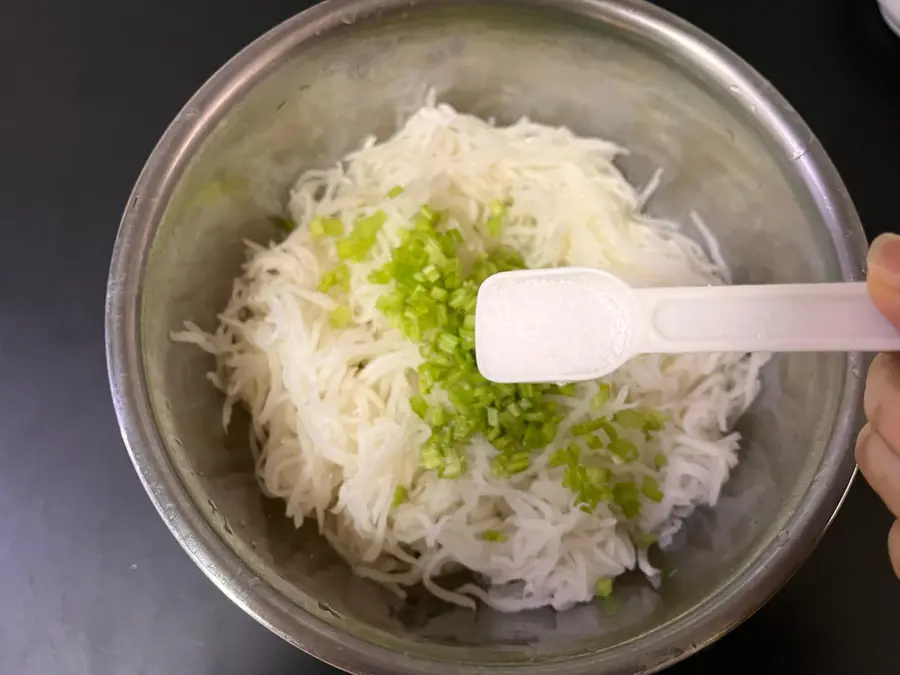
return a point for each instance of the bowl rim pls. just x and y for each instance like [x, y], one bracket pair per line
[720, 612]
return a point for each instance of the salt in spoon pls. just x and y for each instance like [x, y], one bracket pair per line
[570, 324]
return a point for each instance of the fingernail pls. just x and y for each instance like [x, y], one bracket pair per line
[885, 255]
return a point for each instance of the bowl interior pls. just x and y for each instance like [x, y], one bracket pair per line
[599, 77]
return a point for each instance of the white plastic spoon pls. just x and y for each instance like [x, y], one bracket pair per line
[575, 323]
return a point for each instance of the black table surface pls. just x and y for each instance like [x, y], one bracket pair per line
[91, 582]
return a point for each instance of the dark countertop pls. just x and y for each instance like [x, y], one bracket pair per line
[90, 580]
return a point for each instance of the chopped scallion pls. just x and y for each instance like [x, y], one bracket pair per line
[603, 588]
[493, 535]
[340, 316]
[401, 495]
[650, 489]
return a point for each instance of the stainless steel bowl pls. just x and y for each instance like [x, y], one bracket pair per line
[306, 93]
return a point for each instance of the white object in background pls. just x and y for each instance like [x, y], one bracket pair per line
[890, 9]
[576, 323]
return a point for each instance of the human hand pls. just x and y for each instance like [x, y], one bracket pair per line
[878, 445]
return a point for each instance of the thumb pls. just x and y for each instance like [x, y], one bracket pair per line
[884, 276]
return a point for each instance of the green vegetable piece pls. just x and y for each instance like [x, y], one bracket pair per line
[494, 226]
[454, 466]
[431, 456]
[357, 245]
[419, 406]
[568, 389]
[660, 461]
[340, 317]
[447, 342]
[604, 392]
[655, 420]
[395, 191]
[609, 430]
[514, 463]
[401, 496]
[493, 417]
[627, 497]
[630, 419]
[498, 469]
[598, 475]
[339, 277]
[379, 277]
[368, 226]
[493, 535]
[437, 416]
[594, 443]
[624, 450]
[588, 427]
[603, 588]
[322, 226]
[650, 488]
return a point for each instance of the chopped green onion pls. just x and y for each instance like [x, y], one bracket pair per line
[588, 427]
[604, 392]
[624, 450]
[322, 226]
[597, 475]
[436, 416]
[356, 245]
[650, 488]
[493, 535]
[339, 277]
[630, 419]
[660, 461]
[603, 588]
[454, 466]
[594, 443]
[568, 455]
[431, 457]
[655, 420]
[401, 495]
[379, 277]
[494, 226]
[627, 497]
[493, 417]
[395, 191]
[447, 342]
[340, 316]
[609, 430]
[419, 406]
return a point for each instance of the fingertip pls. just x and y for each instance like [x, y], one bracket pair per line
[883, 278]
[880, 465]
[894, 547]
[882, 395]
[861, 442]
[885, 297]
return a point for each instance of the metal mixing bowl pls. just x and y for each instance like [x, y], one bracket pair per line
[305, 94]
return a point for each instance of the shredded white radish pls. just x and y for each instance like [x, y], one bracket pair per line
[332, 424]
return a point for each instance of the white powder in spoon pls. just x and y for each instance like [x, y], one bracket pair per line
[549, 329]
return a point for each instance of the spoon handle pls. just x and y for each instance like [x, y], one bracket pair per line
[769, 318]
